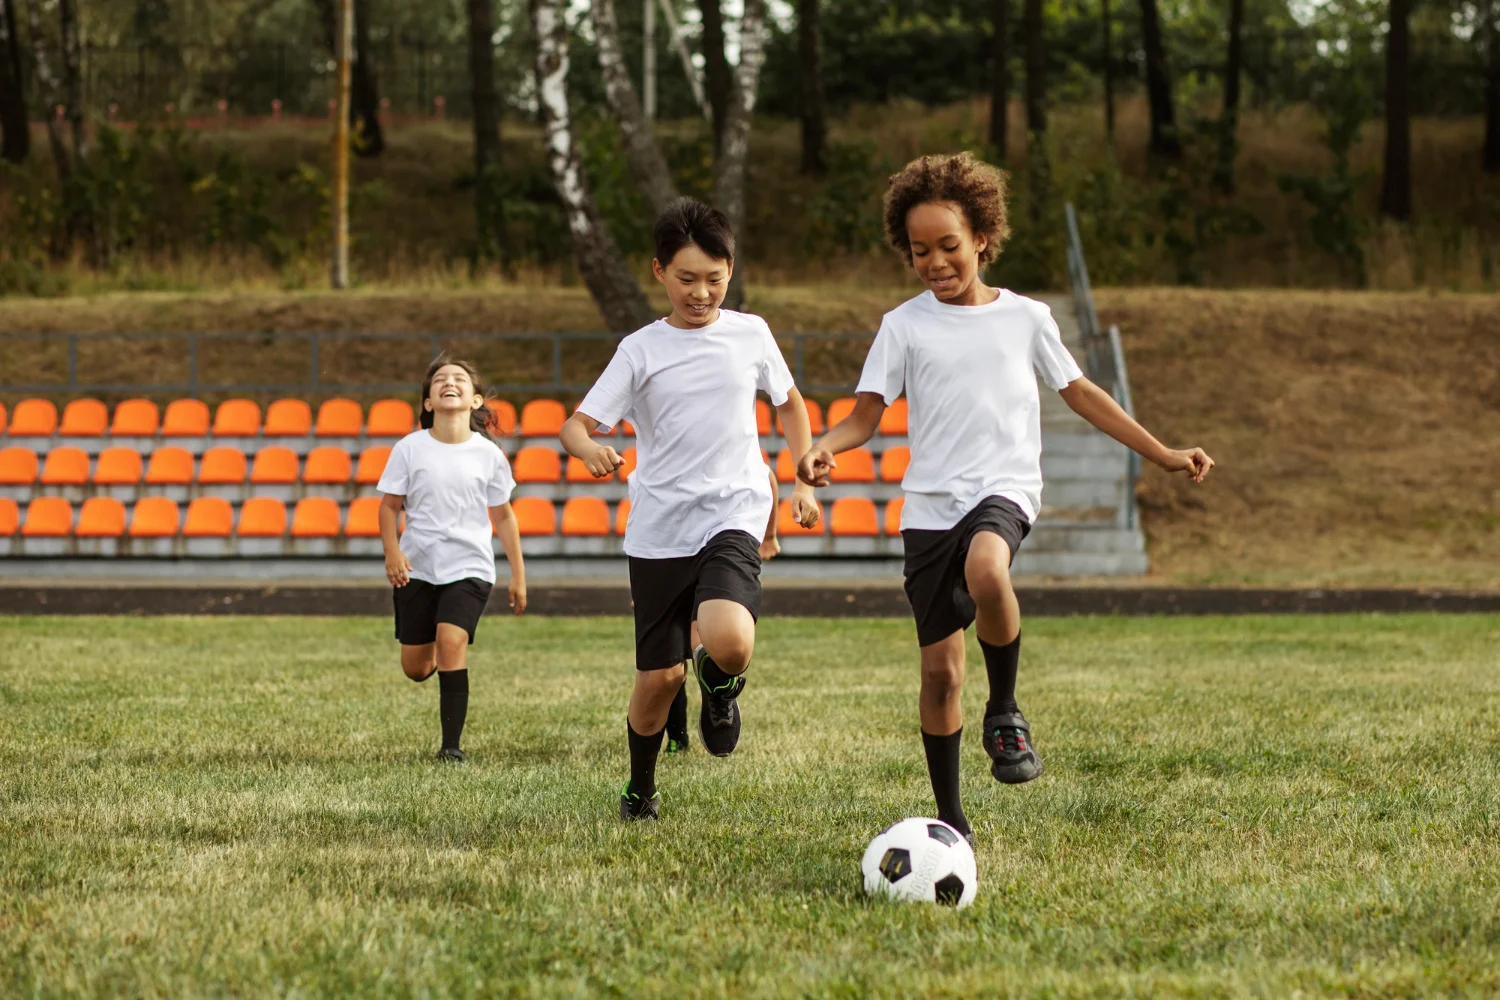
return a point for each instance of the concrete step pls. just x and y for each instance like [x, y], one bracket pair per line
[1074, 538]
[1088, 443]
[1098, 492]
[1079, 564]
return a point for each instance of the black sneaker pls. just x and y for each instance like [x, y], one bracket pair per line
[633, 807]
[719, 718]
[454, 754]
[677, 743]
[677, 727]
[1007, 739]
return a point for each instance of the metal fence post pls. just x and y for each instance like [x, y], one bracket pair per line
[557, 362]
[73, 361]
[312, 358]
[797, 359]
[437, 347]
[193, 366]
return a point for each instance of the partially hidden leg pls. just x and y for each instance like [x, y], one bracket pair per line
[645, 726]
[1007, 734]
[677, 724]
[942, 725]
[453, 687]
[727, 630]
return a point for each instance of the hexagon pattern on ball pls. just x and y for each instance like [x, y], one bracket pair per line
[921, 860]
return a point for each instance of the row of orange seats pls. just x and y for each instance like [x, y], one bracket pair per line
[321, 517]
[335, 418]
[275, 465]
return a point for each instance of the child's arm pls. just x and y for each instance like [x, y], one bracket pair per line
[577, 440]
[770, 545]
[851, 432]
[794, 422]
[397, 566]
[504, 520]
[1097, 407]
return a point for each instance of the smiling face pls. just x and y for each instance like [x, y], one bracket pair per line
[452, 389]
[945, 252]
[696, 284]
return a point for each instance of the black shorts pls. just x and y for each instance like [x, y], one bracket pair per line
[667, 593]
[935, 583]
[420, 606]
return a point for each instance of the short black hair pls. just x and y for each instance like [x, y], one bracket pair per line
[687, 221]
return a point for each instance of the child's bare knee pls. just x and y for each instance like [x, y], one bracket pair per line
[732, 651]
[988, 583]
[419, 666]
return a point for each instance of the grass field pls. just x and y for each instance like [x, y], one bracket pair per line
[1255, 807]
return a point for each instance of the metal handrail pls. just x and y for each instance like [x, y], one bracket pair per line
[1121, 393]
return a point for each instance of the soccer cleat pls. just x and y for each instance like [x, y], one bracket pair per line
[719, 717]
[454, 754]
[1007, 739]
[633, 807]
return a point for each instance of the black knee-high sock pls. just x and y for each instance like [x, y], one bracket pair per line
[643, 752]
[713, 676]
[677, 715]
[942, 768]
[1000, 663]
[453, 705]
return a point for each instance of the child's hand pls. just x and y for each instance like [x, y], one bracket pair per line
[804, 508]
[1195, 462]
[815, 467]
[397, 568]
[603, 462]
[518, 594]
[770, 548]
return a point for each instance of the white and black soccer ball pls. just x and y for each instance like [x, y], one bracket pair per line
[921, 860]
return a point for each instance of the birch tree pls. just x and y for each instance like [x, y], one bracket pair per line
[641, 149]
[51, 91]
[729, 169]
[614, 288]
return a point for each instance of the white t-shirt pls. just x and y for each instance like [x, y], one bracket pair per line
[449, 490]
[691, 396]
[975, 420]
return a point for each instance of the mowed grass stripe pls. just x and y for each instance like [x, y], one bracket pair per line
[1233, 807]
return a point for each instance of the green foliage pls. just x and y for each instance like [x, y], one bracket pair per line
[843, 214]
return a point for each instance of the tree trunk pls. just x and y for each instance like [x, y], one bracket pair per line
[715, 68]
[1229, 118]
[641, 149]
[51, 92]
[1164, 141]
[1492, 95]
[814, 131]
[999, 76]
[729, 171]
[1395, 189]
[73, 77]
[1036, 109]
[365, 109]
[482, 84]
[15, 130]
[617, 294]
[1109, 76]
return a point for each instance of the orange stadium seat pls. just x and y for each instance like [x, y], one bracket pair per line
[627, 457]
[262, 517]
[84, 418]
[339, 418]
[538, 464]
[787, 525]
[316, 517]
[585, 516]
[578, 472]
[33, 418]
[327, 465]
[18, 466]
[893, 463]
[118, 467]
[274, 466]
[222, 466]
[48, 517]
[814, 418]
[854, 516]
[101, 517]
[839, 409]
[535, 515]
[209, 517]
[786, 469]
[237, 418]
[171, 466]
[288, 418]
[10, 517]
[389, 418]
[893, 516]
[626, 428]
[155, 517]
[856, 465]
[762, 417]
[893, 420]
[371, 464]
[136, 418]
[505, 415]
[185, 418]
[542, 418]
[622, 517]
[364, 518]
[66, 466]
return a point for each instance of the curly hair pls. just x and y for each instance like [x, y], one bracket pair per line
[976, 187]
